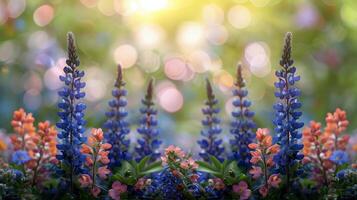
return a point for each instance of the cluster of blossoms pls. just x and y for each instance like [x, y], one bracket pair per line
[149, 144]
[211, 144]
[287, 116]
[116, 125]
[242, 126]
[96, 161]
[35, 149]
[181, 169]
[325, 150]
[262, 161]
[105, 168]
[72, 123]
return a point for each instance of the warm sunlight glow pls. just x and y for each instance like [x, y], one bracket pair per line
[151, 5]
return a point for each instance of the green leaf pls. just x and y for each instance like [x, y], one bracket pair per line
[153, 165]
[216, 163]
[205, 165]
[142, 163]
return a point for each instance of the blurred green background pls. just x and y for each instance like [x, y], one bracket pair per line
[179, 43]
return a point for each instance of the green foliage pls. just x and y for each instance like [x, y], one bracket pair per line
[228, 171]
[130, 172]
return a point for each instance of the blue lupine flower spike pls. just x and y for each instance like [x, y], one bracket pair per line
[71, 115]
[211, 144]
[287, 116]
[148, 144]
[117, 127]
[242, 125]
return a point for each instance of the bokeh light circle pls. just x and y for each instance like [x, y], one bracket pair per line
[16, 8]
[43, 15]
[106, 7]
[150, 61]
[126, 55]
[190, 35]
[213, 14]
[239, 17]
[217, 34]
[89, 3]
[149, 35]
[256, 55]
[260, 3]
[175, 68]
[170, 99]
[200, 61]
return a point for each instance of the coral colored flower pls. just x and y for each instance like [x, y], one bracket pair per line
[85, 180]
[274, 180]
[117, 189]
[218, 184]
[262, 159]
[3, 145]
[273, 149]
[140, 184]
[256, 172]
[164, 160]
[326, 149]
[242, 190]
[106, 146]
[95, 191]
[264, 191]
[175, 150]
[194, 178]
[184, 165]
[86, 149]
[96, 153]
[253, 146]
[103, 172]
[89, 161]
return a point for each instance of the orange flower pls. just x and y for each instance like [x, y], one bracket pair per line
[253, 146]
[273, 149]
[98, 134]
[261, 133]
[106, 146]
[86, 149]
[274, 180]
[3, 145]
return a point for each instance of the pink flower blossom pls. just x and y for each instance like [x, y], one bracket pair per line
[256, 172]
[218, 184]
[192, 163]
[103, 172]
[194, 178]
[264, 191]
[176, 150]
[85, 180]
[242, 190]
[117, 189]
[95, 191]
[274, 180]
[140, 184]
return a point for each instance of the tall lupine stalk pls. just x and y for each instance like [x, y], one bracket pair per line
[287, 116]
[116, 125]
[242, 124]
[211, 145]
[148, 144]
[71, 115]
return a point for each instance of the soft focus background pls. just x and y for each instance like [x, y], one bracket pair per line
[179, 43]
